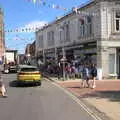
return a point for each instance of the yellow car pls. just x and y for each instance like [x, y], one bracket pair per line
[29, 74]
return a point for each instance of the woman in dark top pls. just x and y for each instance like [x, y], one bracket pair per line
[94, 74]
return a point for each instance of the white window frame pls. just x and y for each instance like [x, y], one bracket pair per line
[50, 37]
[114, 21]
[118, 21]
[85, 30]
[41, 44]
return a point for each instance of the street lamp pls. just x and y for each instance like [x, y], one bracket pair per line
[63, 52]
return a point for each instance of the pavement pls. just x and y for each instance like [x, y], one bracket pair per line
[104, 100]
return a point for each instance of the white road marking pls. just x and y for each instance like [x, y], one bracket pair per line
[85, 108]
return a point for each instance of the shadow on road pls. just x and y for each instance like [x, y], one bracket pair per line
[17, 84]
[113, 96]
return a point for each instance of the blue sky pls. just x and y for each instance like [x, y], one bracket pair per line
[27, 14]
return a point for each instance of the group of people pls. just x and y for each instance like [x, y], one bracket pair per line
[83, 71]
[75, 69]
[87, 74]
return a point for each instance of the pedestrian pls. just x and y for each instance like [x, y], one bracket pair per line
[58, 71]
[94, 75]
[80, 69]
[2, 86]
[85, 76]
[73, 71]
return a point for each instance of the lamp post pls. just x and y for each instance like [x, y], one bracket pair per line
[63, 52]
[63, 62]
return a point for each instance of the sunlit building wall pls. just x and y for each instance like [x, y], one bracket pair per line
[90, 33]
[2, 39]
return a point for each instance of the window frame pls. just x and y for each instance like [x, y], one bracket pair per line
[114, 21]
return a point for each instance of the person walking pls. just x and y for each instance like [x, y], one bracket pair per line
[94, 75]
[58, 71]
[80, 69]
[2, 86]
[85, 76]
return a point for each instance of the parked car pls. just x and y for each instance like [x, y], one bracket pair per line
[10, 68]
[28, 74]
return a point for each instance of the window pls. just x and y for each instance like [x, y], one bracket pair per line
[89, 25]
[81, 25]
[28, 69]
[50, 37]
[85, 26]
[41, 44]
[61, 36]
[117, 21]
[67, 32]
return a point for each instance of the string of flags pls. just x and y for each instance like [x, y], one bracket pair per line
[45, 3]
[22, 30]
[21, 39]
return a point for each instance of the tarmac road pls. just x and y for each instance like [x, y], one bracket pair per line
[47, 102]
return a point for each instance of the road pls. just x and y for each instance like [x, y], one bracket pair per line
[47, 102]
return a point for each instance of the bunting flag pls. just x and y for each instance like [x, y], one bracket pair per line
[34, 1]
[20, 38]
[23, 30]
[44, 3]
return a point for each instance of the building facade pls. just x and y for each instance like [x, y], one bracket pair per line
[30, 53]
[2, 39]
[90, 33]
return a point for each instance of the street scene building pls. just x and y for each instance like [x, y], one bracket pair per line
[2, 40]
[90, 33]
[30, 53]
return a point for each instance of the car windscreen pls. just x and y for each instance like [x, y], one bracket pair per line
[28, 69]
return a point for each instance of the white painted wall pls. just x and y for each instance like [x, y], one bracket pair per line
[102, 25]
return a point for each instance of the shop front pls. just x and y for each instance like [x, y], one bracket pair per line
[83, 52]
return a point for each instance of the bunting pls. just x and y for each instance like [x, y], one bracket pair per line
[45, 3]
[22, 30]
